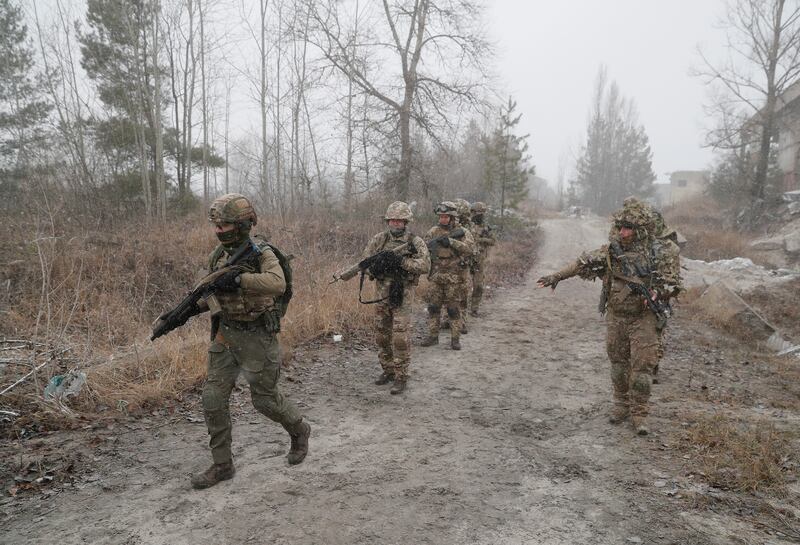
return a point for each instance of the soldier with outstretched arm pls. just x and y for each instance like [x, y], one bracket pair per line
[639, 278]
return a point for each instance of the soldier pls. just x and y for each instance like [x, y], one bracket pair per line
[396, 294]
[632, 262]
[244, 339]
[484, 239]
[448, 276]
[464, 220]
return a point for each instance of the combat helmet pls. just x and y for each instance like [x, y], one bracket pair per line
[636, 215]
[462, 206]
[233, 208]
[446, 207]
[479, 208]
[399, 210]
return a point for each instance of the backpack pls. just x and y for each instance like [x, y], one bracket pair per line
[283, 300]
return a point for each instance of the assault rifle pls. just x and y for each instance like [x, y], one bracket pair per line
[456, 234]
[369, 262]
[204, 290]
[661, 309]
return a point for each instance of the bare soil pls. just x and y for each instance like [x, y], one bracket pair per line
[505, 442]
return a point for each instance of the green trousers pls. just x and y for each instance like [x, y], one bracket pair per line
[252, 350]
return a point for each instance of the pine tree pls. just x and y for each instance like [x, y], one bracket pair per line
[506, 169]
[115, 52]
[22, 107]
[616, 160]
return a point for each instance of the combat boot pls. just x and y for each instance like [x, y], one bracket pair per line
[455, 344]
[639, 425]
[399, 386]
[430, 340]
[619, 414]
[299, 433]
[214, 474]
[385, 378]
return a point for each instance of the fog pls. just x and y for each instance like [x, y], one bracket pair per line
[548, 54]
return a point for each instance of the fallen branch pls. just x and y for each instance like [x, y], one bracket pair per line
[20, 381]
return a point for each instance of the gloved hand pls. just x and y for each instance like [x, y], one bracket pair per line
[387, 262]
[228, 281]
[445, 242]
[551, 280]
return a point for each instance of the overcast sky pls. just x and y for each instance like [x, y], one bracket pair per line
[549, 52]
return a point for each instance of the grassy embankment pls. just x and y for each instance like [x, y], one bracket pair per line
[77, 299]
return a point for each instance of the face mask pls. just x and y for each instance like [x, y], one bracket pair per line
[477, 219]
[397, 231]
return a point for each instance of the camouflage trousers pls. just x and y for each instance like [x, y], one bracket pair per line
[253, 351]
[632, 345]
[445, 291]
[393, 335]
[478, 280]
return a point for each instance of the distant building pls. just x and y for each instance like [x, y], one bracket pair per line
[787, 112]
[683, 186]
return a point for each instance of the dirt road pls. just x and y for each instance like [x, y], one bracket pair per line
[505, 442]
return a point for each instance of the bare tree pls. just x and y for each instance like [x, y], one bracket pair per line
[445, 33]
[763, 39]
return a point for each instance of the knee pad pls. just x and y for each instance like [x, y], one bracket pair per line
[434, 310]
[452, 312]
[642, 384]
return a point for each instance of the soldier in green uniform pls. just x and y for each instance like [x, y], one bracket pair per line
[244, 340]
[634, 262]
[448, 276]
[484, 239]
[396, 293]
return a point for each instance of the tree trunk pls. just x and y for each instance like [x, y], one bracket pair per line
[161, 186]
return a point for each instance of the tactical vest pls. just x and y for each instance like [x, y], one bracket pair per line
[244, 305]
[446, 260]
[390, 243]
[637, 265]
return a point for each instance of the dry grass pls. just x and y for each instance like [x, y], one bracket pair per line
[739, 455]
[97, 296]
[707, 231]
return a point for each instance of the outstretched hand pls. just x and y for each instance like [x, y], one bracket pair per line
[551, 281]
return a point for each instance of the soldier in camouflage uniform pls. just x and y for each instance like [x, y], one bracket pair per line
[448, 277]
[393, 331]
[465, 221]
[244, 340]
[668, 238]
[484, 239]
[633, 256]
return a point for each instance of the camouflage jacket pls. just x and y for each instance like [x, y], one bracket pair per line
[484, 239]
[650, 263]
[454, 260]
[259, 286]
[415, 263]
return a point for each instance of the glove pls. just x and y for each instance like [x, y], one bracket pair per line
[386, 263]
[228, 281]
[445, 242]
[412, 250]
[551, 280]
